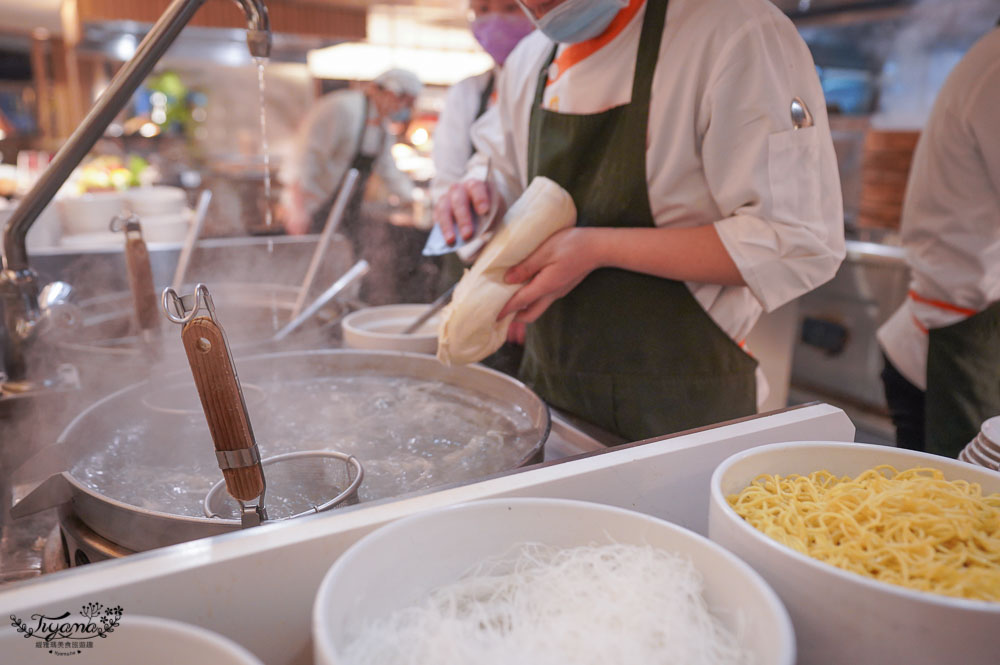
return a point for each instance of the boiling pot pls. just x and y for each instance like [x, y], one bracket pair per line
[108, 346]
[136, 475]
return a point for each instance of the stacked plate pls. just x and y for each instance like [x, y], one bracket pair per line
[984, 449]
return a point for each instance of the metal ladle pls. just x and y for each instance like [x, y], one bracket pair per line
[357, 271]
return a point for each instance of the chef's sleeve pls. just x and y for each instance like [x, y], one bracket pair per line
[495, 143]
[318, 149]
[398, 182]
[982, 122]
[777, 187]
[452, 140]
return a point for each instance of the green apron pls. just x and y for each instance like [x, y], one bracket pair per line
[963, 380]
[632, 353]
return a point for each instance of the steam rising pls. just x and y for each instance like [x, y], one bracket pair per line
[933, 37]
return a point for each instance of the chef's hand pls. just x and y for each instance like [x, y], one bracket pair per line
[454, 210]
[516, 333]
[296, 222]
[552, 271]
[292, 212]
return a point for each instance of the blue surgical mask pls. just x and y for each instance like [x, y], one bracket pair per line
[577, 20]
[401, 116]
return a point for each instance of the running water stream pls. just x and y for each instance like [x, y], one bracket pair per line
[266, 154]
[265, 149]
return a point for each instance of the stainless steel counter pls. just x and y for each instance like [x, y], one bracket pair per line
[276, 569]
[836, 354]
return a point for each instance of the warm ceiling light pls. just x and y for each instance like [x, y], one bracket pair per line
[356, 61]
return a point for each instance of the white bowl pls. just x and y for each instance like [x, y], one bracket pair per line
[380, 328]
[398, 564]
[44, 233]
[89, 213]
[102, 241]
[138, 639]
[165, 228]
[839, 616]
[158, 200]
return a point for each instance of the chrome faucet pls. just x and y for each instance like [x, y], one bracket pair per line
[18, 282]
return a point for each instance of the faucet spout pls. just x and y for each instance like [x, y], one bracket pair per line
[18, 283]
[258, 27]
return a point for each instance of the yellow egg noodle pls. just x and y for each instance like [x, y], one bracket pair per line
[911, 528]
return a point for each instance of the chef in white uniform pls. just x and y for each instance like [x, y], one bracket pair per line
[701, 201]
[942, 373]
[344, 129]
[498, 26]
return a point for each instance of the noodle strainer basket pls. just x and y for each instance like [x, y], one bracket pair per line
[307, 481]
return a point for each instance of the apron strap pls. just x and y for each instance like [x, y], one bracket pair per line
[484, 98]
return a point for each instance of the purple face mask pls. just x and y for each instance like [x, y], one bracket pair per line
[499, 33]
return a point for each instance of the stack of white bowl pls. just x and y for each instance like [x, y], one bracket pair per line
[86, 218]
[984, 449]
[163, 212]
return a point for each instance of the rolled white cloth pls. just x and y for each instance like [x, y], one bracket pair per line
[469, 330]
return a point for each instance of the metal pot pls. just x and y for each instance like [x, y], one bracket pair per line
[107, 344]
[119, 437]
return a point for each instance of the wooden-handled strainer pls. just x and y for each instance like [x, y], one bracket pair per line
[221, 398]
[307, 481]
[140, 274]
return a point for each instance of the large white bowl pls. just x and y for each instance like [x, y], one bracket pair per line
[398, 564]
[165, 228]
[138, 639]
[90, 213]
[839, 616]
[157, 200]
[381, 329]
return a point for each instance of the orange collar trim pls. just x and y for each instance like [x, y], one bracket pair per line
[576, 53]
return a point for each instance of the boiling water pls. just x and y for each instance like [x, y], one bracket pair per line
[409, 434]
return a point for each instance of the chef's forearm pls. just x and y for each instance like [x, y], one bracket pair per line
[686, 254]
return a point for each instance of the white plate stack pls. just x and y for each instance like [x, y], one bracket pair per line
[163, 212]
[984, 449]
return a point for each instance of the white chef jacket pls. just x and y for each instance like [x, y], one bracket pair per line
[951, 215]
[452, 141]
[327, 141]
[721, 147]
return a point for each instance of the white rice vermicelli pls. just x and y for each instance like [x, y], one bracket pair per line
[606, 604]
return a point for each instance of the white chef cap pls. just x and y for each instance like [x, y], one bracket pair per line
[399, 82]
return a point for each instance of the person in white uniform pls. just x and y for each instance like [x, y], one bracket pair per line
[498, 26]
[942, 346]
[347, 128]
[702, 200]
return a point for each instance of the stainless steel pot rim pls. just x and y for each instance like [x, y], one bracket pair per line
[350, 490]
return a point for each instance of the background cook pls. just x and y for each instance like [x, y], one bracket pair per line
[345, 129]
[498, 26]
[942, 346]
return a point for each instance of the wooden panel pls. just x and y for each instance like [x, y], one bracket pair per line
[301, 18]
[884, 171]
